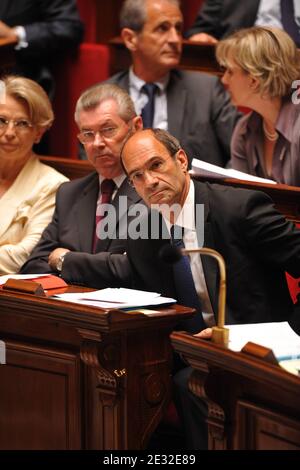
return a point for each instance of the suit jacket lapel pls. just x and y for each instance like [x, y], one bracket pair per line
[177, 95]
[86, 213]
[210, 266]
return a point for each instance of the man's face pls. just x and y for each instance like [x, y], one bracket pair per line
[110, 133]
[158, 177]
[159, 44]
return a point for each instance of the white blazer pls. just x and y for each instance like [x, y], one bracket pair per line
[25, 210]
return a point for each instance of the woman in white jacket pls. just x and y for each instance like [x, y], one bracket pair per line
[27, 187]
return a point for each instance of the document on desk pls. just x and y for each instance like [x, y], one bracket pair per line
[202, 168]
[119, 298]
[278, 336]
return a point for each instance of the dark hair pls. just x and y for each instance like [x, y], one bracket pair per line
[164, 137]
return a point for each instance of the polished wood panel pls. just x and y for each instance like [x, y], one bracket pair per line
[68, 166]
[81, 377]
[251, 404]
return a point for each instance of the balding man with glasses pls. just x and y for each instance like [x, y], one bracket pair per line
[80, 237]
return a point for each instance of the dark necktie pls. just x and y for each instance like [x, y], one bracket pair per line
[148, 110]
[288, 20]
[106, 190]
[184, 284]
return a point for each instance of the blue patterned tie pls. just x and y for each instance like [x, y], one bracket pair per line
[288, 20]
[148, 110]
[184, 284]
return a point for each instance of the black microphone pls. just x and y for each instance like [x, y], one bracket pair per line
[170, 254]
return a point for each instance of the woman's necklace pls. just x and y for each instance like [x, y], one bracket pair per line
[272, 136]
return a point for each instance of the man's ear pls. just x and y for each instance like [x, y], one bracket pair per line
[138, 123]
[182, 160]
[130, 38]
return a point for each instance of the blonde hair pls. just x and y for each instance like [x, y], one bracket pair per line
[96, 94]
[266, 53]
[33, 96]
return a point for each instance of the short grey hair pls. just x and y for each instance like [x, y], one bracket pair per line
[134, 14]
[96, 94]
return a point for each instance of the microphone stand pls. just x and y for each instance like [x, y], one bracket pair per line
[220, 334]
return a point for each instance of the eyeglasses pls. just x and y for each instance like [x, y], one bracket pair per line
[20, 125]
[154, 167]
[88, 137]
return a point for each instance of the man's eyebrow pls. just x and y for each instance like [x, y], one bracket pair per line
[99, 126]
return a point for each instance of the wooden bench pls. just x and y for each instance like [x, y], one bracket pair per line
[68, 166]
[286, 198]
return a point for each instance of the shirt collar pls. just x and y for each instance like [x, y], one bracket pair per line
[285, 120]
[137, 83]
[118, 180]
[186, 217]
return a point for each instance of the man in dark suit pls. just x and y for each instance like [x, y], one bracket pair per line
[219, 18]
[193, 106]
[257, 243]
[69, 245]
[44, 29]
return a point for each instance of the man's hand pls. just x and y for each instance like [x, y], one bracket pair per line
[203, 38]
[204, 334]
[7, 32]
[54, 256]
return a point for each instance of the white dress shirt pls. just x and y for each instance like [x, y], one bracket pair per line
[140, 99]
[269, 13]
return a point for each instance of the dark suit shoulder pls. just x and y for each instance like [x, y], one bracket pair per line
[226, 200]
[193, 78]
[120, 78]
[78, 185]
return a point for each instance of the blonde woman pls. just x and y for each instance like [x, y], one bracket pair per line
[27, 187]
[261, 65]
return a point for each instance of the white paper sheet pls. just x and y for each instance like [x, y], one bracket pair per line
[278, 336]
[117, 298]
[199, 167]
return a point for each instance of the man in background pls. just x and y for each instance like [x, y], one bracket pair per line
[193, 106]
[71, 245]
[219, 18]
[45, 30]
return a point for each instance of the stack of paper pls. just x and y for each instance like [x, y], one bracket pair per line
[119, 298]
[279, 337]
